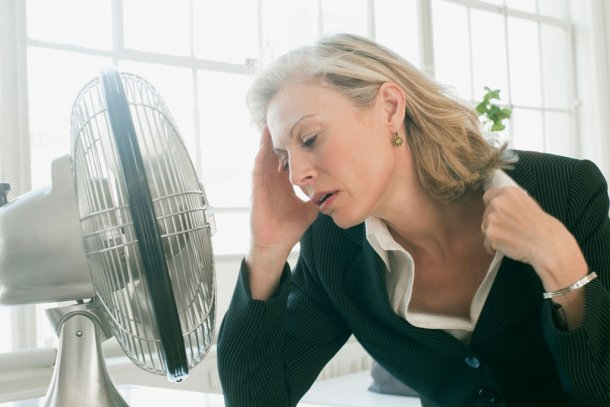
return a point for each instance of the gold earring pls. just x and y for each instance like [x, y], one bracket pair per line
[396, 140]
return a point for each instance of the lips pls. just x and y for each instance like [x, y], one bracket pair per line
[324, 199]
[321, 197]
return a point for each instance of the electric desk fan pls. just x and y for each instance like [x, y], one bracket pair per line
[125, 230]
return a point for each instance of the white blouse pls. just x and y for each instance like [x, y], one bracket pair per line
[401, 273]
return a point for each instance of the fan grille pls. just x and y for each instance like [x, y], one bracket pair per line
[111, 243]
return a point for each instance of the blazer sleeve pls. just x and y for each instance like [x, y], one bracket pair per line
[270, 352]
[582, 356]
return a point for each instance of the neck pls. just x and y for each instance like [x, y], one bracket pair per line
[436, 228]
[421, 223]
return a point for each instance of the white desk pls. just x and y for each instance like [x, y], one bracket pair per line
[351, 391]
[140, 396]
[343, 391]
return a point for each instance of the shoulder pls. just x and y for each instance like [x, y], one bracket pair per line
[542, 165]
[546, 165]
[557, 182]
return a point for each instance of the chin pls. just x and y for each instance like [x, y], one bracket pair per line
[345, 222]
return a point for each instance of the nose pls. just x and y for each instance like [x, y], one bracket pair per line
[302, 172]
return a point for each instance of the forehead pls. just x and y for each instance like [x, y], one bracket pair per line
[298, 102]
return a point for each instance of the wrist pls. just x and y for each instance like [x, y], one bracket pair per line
[267, 257]
[562, 277]
[562, 267]
[568, 310]
[264, 271]
[567, 290]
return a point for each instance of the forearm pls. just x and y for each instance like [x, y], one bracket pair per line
[581, 355]
[559, 269]
[264, 271]
[569, 310]
[250, 344]
[269, 352]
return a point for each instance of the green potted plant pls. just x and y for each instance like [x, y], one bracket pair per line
[492, 115]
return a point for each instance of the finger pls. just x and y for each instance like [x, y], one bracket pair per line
[266, 144]
[487, 218]
[495, 203]
[265, 136]
[488, 199]
[266, 158]
[483, 224]
[491, 194]
[489, 247]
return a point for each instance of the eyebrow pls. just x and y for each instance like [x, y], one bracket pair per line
[290, 132]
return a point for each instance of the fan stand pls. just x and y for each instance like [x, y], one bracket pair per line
[80, 377]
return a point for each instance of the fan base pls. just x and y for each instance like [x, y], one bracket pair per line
[80, 377]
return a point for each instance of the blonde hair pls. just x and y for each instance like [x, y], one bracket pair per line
[451, 157]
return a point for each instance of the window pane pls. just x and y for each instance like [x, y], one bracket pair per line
[232, 233]
[558, 133]
[527, 129]
[5, 321]
[287, 25]
[488, 53]
[75, 22]
[45, 335]
[451, 50]
[524, 62]
[344, 16]
[556, 67]
[228, 141]
[523, 5]
[175, 85]
[226, 30]
[397, 27]
[157, 26]
[553, 8]
[54, 80]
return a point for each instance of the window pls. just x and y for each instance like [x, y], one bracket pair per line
[200, 55]
[522, 49]
[5, 340]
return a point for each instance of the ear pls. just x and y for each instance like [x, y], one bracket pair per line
[392, 101]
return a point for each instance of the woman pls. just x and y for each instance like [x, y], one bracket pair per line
[467, 272]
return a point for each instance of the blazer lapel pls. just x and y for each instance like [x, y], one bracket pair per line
[365, 285]
[516, 287]
[515, 291]
[364, 281]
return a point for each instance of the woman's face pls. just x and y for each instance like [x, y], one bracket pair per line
[339, 155]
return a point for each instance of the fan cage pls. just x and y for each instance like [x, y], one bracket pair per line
[181, 211]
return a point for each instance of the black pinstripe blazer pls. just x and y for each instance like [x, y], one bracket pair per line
[270, 352]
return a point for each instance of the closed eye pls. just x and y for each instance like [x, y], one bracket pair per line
[308, 142]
